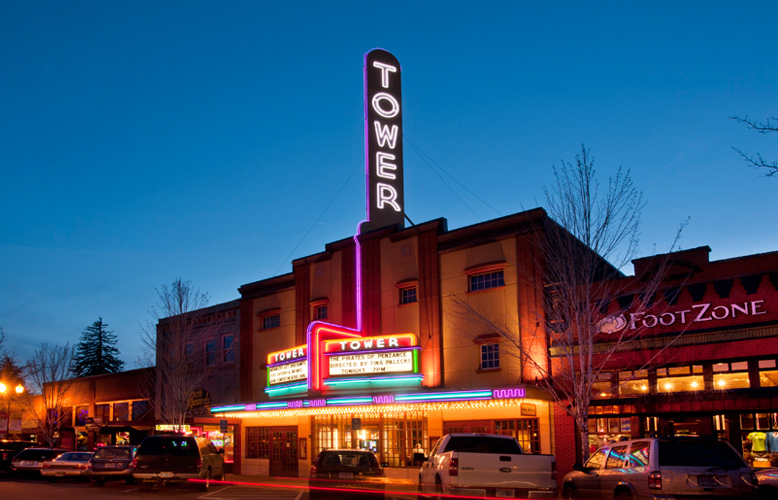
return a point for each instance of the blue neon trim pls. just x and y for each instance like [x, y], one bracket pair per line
[394, 378]
[444, 396]
[350, 401]
[289, 387]
[220, 409]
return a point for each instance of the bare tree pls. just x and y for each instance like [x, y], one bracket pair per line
[767, 127]
[48, 373]
[588, 236]
[175, 341]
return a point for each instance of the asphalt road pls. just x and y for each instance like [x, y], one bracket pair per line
[27, 489]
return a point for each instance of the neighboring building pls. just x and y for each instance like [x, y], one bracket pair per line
[707, 360]
[198, 359]
[114, 408]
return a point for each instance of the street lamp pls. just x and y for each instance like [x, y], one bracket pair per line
[3, 389]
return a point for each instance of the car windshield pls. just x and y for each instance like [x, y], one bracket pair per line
[109, 453]
[699, 453]
[174, 446]
[338, 460]
[483, 444]
[37, 455]
[74, 457]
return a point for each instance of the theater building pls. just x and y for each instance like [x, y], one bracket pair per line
[371, 344]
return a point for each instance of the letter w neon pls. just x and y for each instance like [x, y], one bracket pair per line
[384, 134]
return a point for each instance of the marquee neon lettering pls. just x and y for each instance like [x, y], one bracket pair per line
[383, 166]
[385, 134]
[385, 70]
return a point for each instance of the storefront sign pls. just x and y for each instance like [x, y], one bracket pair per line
[371, 343]
[301, 351]
[704, 315]
[371, 363]
[383, 139]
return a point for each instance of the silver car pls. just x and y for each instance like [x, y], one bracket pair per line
[663, 468]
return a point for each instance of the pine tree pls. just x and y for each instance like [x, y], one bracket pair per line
[96, 353]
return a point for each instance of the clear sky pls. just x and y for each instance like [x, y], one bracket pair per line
[217, 141]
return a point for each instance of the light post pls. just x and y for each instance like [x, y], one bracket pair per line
[3, 389]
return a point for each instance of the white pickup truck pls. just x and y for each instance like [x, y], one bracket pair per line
[486, 465]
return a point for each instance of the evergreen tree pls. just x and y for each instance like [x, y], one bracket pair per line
[96, 353]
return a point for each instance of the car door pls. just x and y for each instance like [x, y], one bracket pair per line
[427, 471]
[587, 482]
[613, 472]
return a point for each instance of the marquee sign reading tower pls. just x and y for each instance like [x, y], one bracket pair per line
[383, 140]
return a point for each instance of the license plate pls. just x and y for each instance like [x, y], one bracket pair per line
[112, 466]
[165, 474]
[28, 463]
[345, 475]
[505, 493]
[707, 481]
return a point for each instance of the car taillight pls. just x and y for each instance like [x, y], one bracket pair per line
[46, 465]
[134, 463]
[82, 466]
[453, 467]
[655, 480]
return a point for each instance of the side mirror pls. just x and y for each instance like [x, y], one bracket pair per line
[579, 467]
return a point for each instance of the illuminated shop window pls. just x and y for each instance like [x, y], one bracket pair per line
[633, 383]
[602, 387]
[408, 295]
[273, 321]
[211, 351]
[731, 375]
[490, 356]
[525, 430]
[768, 374]
[680, 379]
[487, 280]
[228, 350]
[82, 412]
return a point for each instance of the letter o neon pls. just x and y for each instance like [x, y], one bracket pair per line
[381, 96]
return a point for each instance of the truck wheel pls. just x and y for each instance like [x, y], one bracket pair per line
[438, 489]
[624, 495]
[568, 492]
[203, 486]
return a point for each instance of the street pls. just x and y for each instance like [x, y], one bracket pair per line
[27, 489]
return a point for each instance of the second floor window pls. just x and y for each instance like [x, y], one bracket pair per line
[490, 356]
[211, 348]
[486, 280]
[228, 352]
[320, 312]
[273, 321]
[408, 295]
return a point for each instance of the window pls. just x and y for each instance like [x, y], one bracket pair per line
[602, 387]
[82, 412]
[680, 379]
[408, 295]
[102, 413]
[211, 347]
[228, 352]
[596, 460]
[320, 312]
[768, 375]
[273, 321]
[731, 375]
[616, 457]
[525, 430]
[487, 280]
[121, 412]
[257, 442]
[490, 356]
[140, 410]
[638, 455]
[633, 383]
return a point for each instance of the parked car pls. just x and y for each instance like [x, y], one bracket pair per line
[486, 465]
[30, 461]
[8, 450]
[768, 483]
[166, 458]
[666, 468]
[334, 472]
[111, 462]
[72, 464]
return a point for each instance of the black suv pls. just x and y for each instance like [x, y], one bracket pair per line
[8, 450]
[166, 458]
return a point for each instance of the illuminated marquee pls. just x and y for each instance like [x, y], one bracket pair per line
[372, 363]
[289, 365]
[383, 140]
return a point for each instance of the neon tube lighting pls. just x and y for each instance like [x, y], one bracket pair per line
[395, 378]
[443, 396]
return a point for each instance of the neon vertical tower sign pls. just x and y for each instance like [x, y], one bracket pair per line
[383, 140]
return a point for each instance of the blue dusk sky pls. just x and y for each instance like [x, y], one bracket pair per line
[217, 141]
